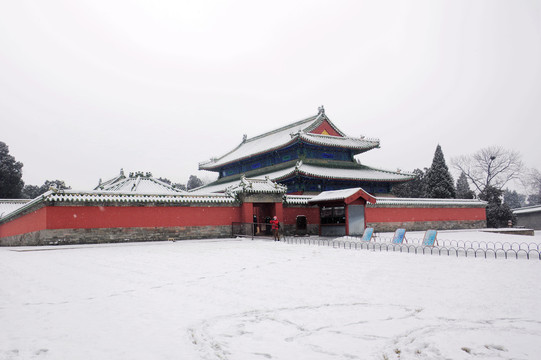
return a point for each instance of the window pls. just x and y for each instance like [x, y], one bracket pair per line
[333, 215]
[327, 156]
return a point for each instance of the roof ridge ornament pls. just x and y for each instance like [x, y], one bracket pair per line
[244, 138]
[244, 182]
[269, 181]
[296, 134]
[321, 110]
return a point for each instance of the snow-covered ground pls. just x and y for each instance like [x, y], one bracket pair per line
[257, 299]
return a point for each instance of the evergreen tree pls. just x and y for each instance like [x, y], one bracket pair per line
[439, 182]
[173, 185]
[534, 199]
[33, 191]
[513, 199]
[411, 189]
[194, 182]
[179, 186]
[463, 188]
[11, 173]
[165, 180]
[57, 184]
[498, 214]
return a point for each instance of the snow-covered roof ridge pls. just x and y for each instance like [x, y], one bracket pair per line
[101, 196]
[312, 119]
[345, 141]
[428, 201]
[26, 205]
[364, 173]
[117, 178]
[527, 209]
[137, 182]
[346, 195]
[398, 171]
[334, 194]
[126, 196]
[321, 117]
[256, 185]
[297, 199]
[9, 205]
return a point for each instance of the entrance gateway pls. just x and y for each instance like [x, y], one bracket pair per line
[342, 211]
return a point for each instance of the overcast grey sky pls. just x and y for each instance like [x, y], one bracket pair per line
[88, 87]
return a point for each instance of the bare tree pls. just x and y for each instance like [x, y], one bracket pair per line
[533, 186]
[492, 166]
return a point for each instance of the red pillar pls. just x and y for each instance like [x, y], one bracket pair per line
[279, 211]
[247, 213]
[347, 219]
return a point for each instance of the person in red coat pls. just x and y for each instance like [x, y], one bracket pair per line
[275, 227]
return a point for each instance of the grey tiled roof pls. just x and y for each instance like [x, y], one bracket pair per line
[257, 186]
[287, 135]
[138, 182]
[9, 205]
[364, 173]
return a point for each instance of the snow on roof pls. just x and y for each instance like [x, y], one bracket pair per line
[385, 201]
[361, 174]
[287, 135]
[334, 195]
[100, 196]
[527, 209]
[298, 199]
[257, 186]
[138, 182]
[365, 173]
[114, 196]
[214, 188]
[346, 142]
[9, 205]
[25, 204]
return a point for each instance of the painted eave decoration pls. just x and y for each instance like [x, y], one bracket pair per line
[356, 174]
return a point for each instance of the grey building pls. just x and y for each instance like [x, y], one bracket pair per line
[529, 217]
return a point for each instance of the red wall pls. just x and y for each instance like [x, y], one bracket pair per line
[375, 215]
[88, 217]
[290, 215]
[34, 221]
